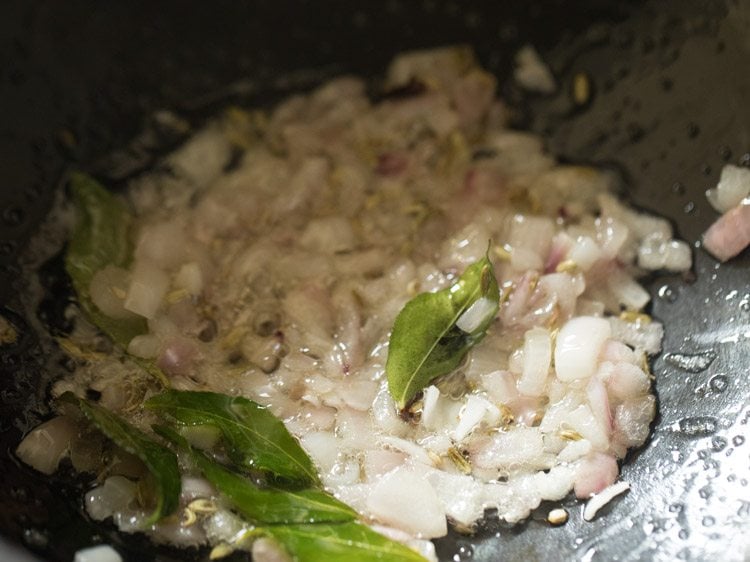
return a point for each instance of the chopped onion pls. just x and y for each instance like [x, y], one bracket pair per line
[145, 346]
[575, 450]
[590, 426]
[99, 553]
[268, 550]
[329, 235]
[430, 397]
[733, 187]
[657, 253]
[628, 292]
[578, 346]
[645, 336]
[585, 252]
[730, 234]
[603, 498]
[461, 494]
[471, 415]
[162, 243]
[408, 447]
[190, 278]
[147, 288]
[626, 380]
[500, 385]
[520, 446]
[406, 500]
[381, 461]
[531, 72]
[46, 445]
[596, 472]
[203, 157]
[632, 419]
[323, 447]
[224, 526]
[537, 354]
[115, 495]
[476, 315]
[108, 289]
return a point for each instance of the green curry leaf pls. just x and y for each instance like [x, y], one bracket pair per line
[339, 543]
[160, 461]
[101, 237]
[255, 439]
[426, 342]
[265, 505]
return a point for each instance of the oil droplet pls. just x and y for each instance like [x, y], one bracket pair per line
[691, 362]
[683, 534]
[667, 293]
[738, 440]
[676, 508]
[678, 188]
[581, 89]
[35, 538]
[708, 521]
[719, 383]
[718, 443]
[465, 552]
[698, 426]
[13, 216]
[19, 493]
[705, 492]
[634, 132]
[689, 208]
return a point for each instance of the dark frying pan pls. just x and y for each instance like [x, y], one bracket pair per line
[78, 79]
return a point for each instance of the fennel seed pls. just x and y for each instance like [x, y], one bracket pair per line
[459, 460]
[570, 435]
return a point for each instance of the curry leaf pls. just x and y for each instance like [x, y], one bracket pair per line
[160, 461]
[339, 543]
[255, 439]
[426, 341]
[265, 505]
[101, 237]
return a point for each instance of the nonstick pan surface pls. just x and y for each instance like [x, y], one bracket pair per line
[671, 87]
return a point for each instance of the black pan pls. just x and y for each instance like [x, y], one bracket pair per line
[671, 88]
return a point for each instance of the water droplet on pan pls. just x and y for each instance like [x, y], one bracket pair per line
[718, 443]
[13, 216]
[35, 538]
[719, 383]
[667, 293]
[698, 426]
[691, 362]
[465, 552]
